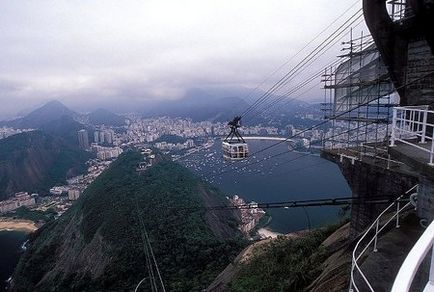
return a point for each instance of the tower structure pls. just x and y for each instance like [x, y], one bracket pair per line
[83, 139]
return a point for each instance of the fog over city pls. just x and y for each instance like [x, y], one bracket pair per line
[120, 54]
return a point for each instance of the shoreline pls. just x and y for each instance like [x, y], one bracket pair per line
[266, 232]
[7, 224]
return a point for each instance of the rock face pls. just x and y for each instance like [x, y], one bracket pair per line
[97, 244]
[35, 161]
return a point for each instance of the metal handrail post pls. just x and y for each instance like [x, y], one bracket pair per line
[374, 240]
[392, 139]
[376, 236]
[432, 151]
[352, 275]
[431, 270]
[397, 215]
[425, 120]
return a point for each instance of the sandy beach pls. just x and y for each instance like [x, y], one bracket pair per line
[267, 233]
[17, 224]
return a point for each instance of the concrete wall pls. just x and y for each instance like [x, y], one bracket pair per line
[420, 62]
[367, 182]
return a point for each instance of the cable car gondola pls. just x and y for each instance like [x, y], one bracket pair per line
[234, 146]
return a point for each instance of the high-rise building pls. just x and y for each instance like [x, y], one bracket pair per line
[108, 137]
[73, 194]
[101, 137]
[83, 139]
[290, 130]
[96, 137]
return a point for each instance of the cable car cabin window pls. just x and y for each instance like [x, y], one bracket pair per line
[234, 146]
[235, 151]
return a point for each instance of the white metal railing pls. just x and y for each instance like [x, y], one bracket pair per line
[397, 209]
[375, 153]
[411, 122]
[408, 270]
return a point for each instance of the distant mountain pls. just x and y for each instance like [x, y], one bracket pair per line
[223, 104]
[49, 112]
[105, 117]
[35, 161]
[199, 105]
[98, 244]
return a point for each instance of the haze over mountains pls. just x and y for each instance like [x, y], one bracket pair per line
[55, 110]
[202, 103]
[49, 112]
[199, 106]
[104, 117]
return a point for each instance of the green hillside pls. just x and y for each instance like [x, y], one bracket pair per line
[284, 264]
[97, 244]
[35, 161]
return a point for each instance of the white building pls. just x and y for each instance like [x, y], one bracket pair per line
[73, 194]
[19, 200]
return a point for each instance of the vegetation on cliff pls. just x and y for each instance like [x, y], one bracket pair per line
[97, 246]
[35, 161]
[33, 215]
[283, 264]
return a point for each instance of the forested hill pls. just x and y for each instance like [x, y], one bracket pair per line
[35, 161]
[97, 245]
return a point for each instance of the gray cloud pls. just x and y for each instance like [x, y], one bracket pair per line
[106, 52]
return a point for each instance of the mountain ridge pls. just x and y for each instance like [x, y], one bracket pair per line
[198, 108]
[49, 112]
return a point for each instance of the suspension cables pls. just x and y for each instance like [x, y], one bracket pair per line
[302, 64]
[273, 103]
[298, 203]
[318, 125]
[151, 262]
[301, 50]
[343, 113]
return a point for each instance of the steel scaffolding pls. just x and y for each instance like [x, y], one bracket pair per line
[358, 96]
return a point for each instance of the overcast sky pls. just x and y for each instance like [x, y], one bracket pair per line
[96, 52]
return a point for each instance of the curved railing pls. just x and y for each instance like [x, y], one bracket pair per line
[414, 122]
[376, 226]
[408, 270]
